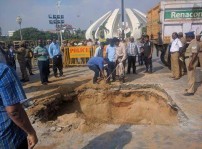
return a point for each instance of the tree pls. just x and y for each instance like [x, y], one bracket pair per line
[32, 34]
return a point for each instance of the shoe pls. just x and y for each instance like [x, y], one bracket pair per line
[188, 94]
[31, 74]
[49, 82]
[45, 83]
[176, 78]
[134, 72]
[150, 72]
[23, 80]
[146, 71]
[113, 80]
[56, 76]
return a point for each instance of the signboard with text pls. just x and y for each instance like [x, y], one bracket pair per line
[178, 14]
[79, 52]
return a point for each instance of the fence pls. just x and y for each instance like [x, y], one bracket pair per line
[77, 55]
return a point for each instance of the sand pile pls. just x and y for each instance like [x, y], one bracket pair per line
[126, 107]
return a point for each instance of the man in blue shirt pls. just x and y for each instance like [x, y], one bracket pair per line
[111, 55]
[96, 64]
[55, 54]
[16, 131]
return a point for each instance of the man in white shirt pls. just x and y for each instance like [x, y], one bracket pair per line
[99, 50]
[132, 52]
[174, 50]
[121, 56]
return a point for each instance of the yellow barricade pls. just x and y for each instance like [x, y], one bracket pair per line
[77, 55]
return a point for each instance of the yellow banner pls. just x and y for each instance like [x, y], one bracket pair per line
[79, 52]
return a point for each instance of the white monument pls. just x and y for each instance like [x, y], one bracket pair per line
[109, 25]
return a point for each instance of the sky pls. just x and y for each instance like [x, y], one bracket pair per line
[78, 13]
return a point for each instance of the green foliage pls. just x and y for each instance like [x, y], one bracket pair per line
[32, 34]
[35, 34]
[128, 34]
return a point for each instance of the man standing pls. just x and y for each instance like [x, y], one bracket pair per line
[147, 51]
[121, 56]
[174, 50]
[198, 38]
[111, 56]
[55, 54]
[11, 57]
[96, 64]
[99, 50]
[21, 60]
[42, 56]
[132, 52]
[182, 51]
[191, 62]
[28, 58]
[16, 131]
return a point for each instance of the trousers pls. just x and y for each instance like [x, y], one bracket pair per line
[131, 62]
[43, 70]
[57, 64]
[111, 70]
[96, 70]
[191, 76]
[200, 58]
[148, 63]
[29, 64]
[23, 70]
[175, 66]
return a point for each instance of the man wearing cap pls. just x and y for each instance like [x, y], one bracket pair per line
[21, 52]
[191, 62]
[198, 38]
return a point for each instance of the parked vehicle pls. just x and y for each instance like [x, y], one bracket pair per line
[172, 16]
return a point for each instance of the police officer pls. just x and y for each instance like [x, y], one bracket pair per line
[191, 62]
[28, 58]
[21, 60]
[198, 38]
[183, 69]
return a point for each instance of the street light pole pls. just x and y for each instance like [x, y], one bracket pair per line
[123, 23]
[58, 7]
[19, 21]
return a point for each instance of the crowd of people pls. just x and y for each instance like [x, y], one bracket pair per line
[118, 53]
[185, 55]
[43, 53]
[112, 55]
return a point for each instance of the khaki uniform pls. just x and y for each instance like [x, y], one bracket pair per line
[182, 62]
[28, 58]
[21, 52]
[192, 48]
[200, 53]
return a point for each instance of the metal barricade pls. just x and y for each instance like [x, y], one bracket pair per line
[78, 61]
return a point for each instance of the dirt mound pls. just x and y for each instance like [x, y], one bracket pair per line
[126, 107]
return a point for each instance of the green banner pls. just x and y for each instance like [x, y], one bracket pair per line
[183, 14]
